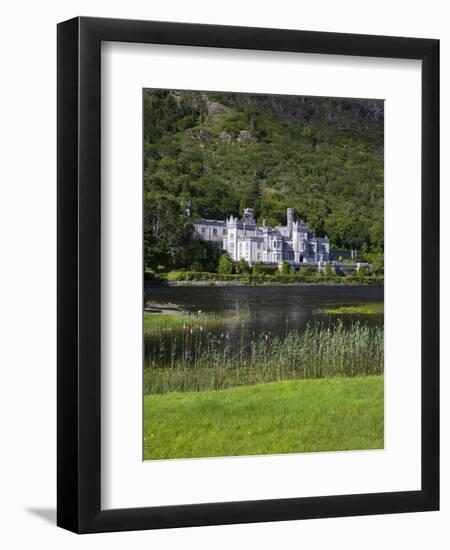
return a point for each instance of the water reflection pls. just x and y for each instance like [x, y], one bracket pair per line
[251, 310]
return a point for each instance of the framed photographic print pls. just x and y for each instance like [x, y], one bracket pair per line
[248, 236]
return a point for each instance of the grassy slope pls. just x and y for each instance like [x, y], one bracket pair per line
[272, 418]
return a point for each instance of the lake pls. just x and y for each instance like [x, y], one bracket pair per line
[270, 309]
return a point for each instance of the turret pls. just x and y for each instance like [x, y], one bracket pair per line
[290, 217]
[248, 216]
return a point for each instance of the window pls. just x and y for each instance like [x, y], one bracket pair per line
[214, 231]
[203, 230]
[224, 232]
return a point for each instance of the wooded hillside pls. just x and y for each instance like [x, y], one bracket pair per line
[226, 151]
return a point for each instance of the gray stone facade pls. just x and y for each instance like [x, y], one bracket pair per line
[242, 238]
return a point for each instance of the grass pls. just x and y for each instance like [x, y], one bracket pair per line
[367, 309]
[197, 360]
[281, 417]
[157, 322]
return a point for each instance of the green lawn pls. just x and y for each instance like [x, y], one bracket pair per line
[279, 417]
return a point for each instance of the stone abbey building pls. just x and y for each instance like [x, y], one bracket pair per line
[242, 238]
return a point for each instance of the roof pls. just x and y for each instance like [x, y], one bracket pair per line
[203, 221]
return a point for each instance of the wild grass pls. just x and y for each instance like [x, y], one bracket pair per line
[156, 323]
[196, 360]
[373, 308]
[331, 414]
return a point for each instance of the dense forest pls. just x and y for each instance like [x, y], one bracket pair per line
[222, 152]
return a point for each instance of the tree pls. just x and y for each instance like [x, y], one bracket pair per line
[377, 265]
[284, 268]
[166, 232]
[202, 255]
[363, 250]
[196, 266]
[328, 271]
[225, 266]
[243, 266]
[361, 271]
[257, 269]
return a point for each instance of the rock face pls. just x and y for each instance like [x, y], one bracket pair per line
[201, 135]
[225, 136]
[244, 136]
[204, 135]
[351, 113]
[216, 108]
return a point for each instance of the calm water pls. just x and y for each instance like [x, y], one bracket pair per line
[266, 309]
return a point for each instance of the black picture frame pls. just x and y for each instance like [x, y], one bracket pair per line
[79, 281]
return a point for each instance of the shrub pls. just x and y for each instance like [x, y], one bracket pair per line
[257, 269]
[284, 268]
[377, 265]
[242, 266]
[175, 275]
[361, 272]
[308, 269]
[225, 266]
[196, 266]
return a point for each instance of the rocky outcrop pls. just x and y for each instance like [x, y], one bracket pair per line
[244, 136]
[216, 108]
[225, 136]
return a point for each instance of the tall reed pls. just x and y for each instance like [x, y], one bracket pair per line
[200, 360]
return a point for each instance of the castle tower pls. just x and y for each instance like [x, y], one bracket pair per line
[248, 216]
[290, 217]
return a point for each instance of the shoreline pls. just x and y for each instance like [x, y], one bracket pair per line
[165, 309]
[210, 283]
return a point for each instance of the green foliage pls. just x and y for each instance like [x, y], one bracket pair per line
[308, 270]
[376, 263]
[242, 267]
[299, 277]
[361, 272]
[168, 239]
[324, 157]
[175, 275]
[284, 268]
[225, 266]
[328, 271]
[257, 269]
